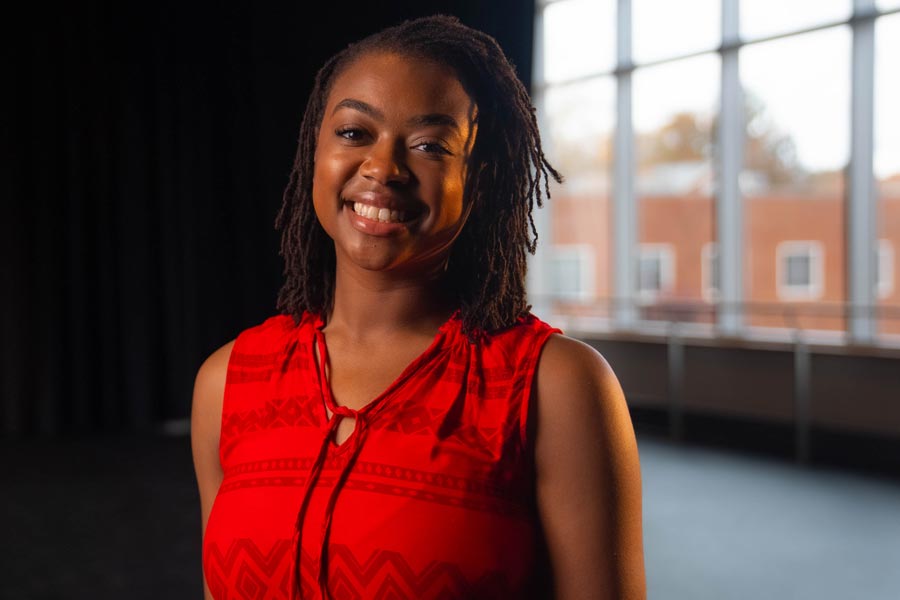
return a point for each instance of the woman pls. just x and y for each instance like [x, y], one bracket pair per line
[405, 427]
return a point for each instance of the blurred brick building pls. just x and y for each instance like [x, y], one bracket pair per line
[794, 250]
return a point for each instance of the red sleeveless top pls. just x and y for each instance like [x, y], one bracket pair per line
[431, 496]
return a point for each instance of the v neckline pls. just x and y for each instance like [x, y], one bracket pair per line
[320, 357]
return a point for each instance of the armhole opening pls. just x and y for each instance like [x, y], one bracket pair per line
[225, 394]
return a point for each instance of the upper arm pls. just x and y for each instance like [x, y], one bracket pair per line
[588, 475]
[206, 419]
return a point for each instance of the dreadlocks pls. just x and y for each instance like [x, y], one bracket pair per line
[505, 173]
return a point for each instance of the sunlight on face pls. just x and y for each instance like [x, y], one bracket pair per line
[390, 165]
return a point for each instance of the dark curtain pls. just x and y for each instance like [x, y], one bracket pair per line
[145, 150]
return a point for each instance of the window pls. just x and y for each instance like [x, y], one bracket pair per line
[725, 127]
[673, 179]
[798, 270]
[653, 21]
[798, 168]
[884, 269]
[573, 272]
[761, 18]
[656, 271]
[579, 38]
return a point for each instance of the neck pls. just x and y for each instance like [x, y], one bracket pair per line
[374, 304]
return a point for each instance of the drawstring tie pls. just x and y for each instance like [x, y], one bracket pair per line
[356, 439]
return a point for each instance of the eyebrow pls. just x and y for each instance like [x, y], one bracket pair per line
[429, 120]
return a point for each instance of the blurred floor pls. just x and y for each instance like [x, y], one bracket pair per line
[119, 518]
[722, 526]
[99, 519]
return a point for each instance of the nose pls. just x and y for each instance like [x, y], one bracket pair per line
[385, 163]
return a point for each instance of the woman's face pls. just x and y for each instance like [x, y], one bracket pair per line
[390, 163]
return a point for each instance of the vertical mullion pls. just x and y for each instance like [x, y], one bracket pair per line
[624, 203]
[729, 159]
[539, 268]
[860, 203]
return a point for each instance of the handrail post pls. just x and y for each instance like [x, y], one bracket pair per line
[801, 398]
[675, 349]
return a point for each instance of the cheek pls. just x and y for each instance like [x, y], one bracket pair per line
[326, 191]
[329, 173]
[454, 188]
[454, 195]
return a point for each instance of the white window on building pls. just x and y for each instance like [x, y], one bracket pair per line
[709, 271]
[656, 270]
[799, 270]
[573, 271]
[884, 269]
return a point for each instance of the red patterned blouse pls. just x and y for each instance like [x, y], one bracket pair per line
[431, 496]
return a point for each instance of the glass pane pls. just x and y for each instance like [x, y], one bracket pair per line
[674, 111]
[798, 270]
[887, 170]
[649, 274]
[579, 38]
[578, 124]
[655, 38]
[797, 107]
[761, 18]
[888, 4]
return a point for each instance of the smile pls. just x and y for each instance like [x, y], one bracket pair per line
[382, 215]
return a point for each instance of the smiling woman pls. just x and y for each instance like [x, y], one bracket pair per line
[406, 427]
[395, 138]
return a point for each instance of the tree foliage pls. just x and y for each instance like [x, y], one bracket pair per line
[769, 152]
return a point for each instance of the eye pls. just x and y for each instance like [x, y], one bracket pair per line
[353, 134]
[433, 148]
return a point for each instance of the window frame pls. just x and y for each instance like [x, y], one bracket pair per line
[665, 254]
[800, 293]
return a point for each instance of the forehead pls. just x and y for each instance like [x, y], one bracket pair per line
[401, 86]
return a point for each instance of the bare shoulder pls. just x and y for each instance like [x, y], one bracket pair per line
[206, 411]
[572, 375]
[580, 404]
[587, 475]
[211, 376]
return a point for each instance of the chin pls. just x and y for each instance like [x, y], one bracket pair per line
[373, 264]
[364, 257]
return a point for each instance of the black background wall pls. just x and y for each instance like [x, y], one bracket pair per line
[145, 150]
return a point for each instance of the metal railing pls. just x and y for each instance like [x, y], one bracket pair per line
[672, 319]
[791, 316]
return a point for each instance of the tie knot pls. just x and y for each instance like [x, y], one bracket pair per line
[343, 411]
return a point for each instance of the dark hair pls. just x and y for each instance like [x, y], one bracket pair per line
[505, 173]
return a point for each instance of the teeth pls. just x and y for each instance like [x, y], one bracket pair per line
[383, 215]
